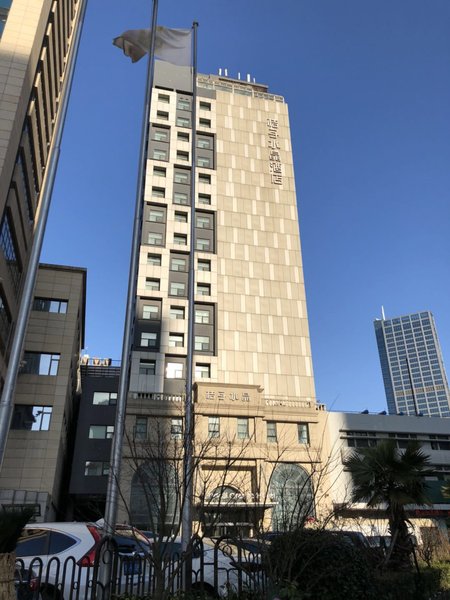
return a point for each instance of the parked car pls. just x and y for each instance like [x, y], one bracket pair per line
[63, 556]
[69, 550]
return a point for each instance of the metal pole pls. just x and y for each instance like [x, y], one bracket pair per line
[7, 400]
[112, 493]
[186, 519]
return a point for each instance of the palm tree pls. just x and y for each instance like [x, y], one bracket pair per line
[384, 475]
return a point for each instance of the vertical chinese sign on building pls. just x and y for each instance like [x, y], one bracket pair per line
[273, 144]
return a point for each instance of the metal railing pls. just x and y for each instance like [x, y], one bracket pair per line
[218, 567]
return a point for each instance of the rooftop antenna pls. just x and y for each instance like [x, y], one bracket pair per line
[220, 71]
[254, 79]
[249, 78]
[382, 314]
[226, 72]
[239, 75]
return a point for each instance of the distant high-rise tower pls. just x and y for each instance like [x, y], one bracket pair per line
[412, 366]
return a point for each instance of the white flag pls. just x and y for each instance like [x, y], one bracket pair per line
[171, 45]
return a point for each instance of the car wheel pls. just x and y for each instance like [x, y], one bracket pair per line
[204, 590]
[48, 592]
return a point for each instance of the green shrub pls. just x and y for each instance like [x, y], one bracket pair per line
[322, 565]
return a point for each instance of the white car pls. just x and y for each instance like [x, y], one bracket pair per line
[63, 555]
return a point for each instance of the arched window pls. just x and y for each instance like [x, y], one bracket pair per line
[155, 497]
[290, 488]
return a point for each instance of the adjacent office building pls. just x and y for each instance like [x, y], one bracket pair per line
[36, 466]
[252, 361]
[412, 365]
[35, 43]
[36, 39]
[94, 432]
[349, 432]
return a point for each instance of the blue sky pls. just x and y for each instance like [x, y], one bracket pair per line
[368, 88]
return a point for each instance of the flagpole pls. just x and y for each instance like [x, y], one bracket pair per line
[7, 399]
[112, 494]
[186, 519]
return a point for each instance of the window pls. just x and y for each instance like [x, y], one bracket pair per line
[183, 104]
[174, 370]
[164, 98]
[147, 367]
[177, 289]
[176, 428]
[205, 105]
[303, 433]
[156, 215]
[154, 259]
[50, 305]
[183, 122]
[204, 178]
[155, 239]
[178, 264]
[176, 340]
[207, 124]
[203, 289]
[180, 239]
[181, 155]
[176, 312]
[8, 245]
[201, 316]
[31, 417]
[180, 198]
[94, 468]
[204, 161]
[149, 340]
[140, 428]
[204, 142]
[242, 428]
[159, 171]
[159, 154]
[104, 398]
[5, 319]
[271, 431]
[181, 217]
[150, 312]
[213, 427]
[182, 136]
[152, 284]
[181, 176]
[163, 115]
[201, 343]
[39, 363]
[204, 199]
[203, 221]
[202, 371]
[203, 265]
[161, 135]
[203, 244]
[101, 432]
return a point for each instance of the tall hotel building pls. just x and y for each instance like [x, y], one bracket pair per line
[252, 361]
[413, 369]
[36, 39]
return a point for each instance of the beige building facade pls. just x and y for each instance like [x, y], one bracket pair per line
[35, 43]
[256, 415]
[36, 465]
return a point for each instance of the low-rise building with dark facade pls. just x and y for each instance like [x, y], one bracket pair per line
[95, 429]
